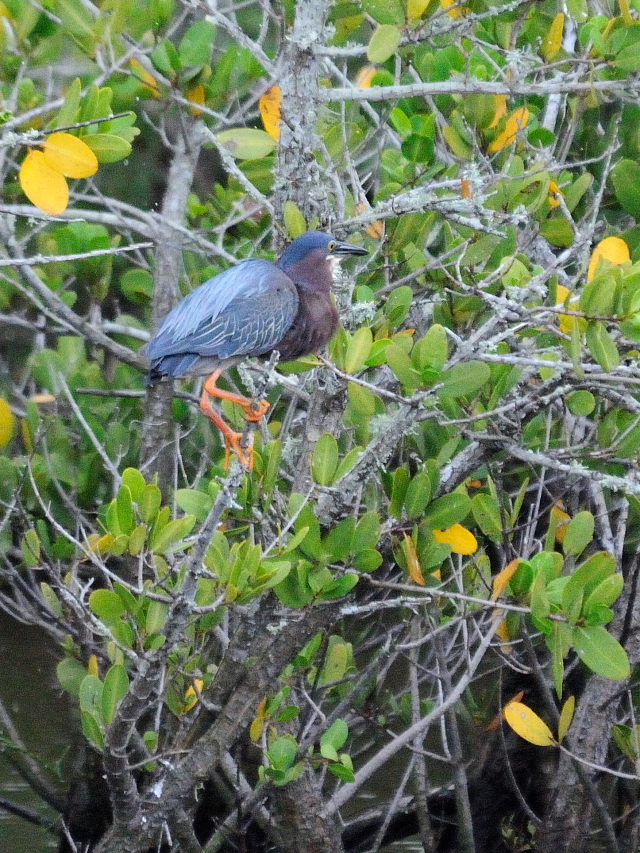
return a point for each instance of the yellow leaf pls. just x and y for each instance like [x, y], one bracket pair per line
[553, 42]
[43, 186]
[528, 724]
[499, 717]
[462, 541]
[503, 634]
[565, 321]
[625, 11]
[270, 108]
[365, 76]
[516, 121]
[6, 423]
[566, 716]
[196, 96]
[70, 156]
[502, 579]
[554, 190]
[612, 249]
[501, 108]
[558, 520]
[453, 13]
[257, 726]
[192, 694]
[413, 563]
[415, 9]
[92, 665]
[26, 435]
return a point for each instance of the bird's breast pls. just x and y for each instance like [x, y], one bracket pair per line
[315, 324]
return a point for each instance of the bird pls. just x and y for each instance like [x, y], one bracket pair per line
[252, 309]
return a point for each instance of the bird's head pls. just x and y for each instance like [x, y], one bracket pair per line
[310, 260]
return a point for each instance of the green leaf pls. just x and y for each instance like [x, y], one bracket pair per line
[108, 147]
[418, 495]
[601, 652]
[463, 380]
[197, 43]
[71, 674]
[558, 232]
[106, 604]
[282, 752]
[68, 113]
[626, 182]
[132, 478]
[367, 560]
[486, 514]
[194, 502]
[447, 511]
[30, 548]
[385, 11]
[605, 593]
[385, 41]
[334, 739]
[601, 345]
[90, 693]
[126, 515]
[358, 350]
[246, 143]
[579, 533]
[157, 613]
[580, 403]
[294, 220]
[324, 460]
[432, 350]
[367, 532]
[402, 366]
[76, 18]
[116, 684]
[171, 534]
[92, 729]
[559, 642]
[149, 503]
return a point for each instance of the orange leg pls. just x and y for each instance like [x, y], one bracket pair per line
[232, 438]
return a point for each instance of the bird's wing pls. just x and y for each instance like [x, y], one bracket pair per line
[244, 311]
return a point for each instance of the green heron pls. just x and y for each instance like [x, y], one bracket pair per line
[251, 309]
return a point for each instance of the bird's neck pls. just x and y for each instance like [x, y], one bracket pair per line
[310, 276]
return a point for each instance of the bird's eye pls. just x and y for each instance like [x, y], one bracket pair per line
[331, 246]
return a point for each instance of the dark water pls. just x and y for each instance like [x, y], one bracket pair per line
[34, 700]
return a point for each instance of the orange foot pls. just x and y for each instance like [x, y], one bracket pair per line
[232, 439]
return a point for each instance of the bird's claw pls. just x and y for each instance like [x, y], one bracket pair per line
[233, 442]
[257, 411]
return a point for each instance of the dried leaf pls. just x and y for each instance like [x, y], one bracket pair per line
[413, 563]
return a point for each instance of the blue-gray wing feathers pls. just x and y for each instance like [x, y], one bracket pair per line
[244, 311]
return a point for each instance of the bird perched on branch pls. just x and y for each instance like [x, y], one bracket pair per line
[252, 309]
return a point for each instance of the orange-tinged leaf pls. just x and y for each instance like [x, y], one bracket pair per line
[413, 563]
[612, 249]
[528, 724]
[197, 96]
[192, 694]
[502, 579]
[462, 541]
[499, 717]
[43, 186]
[365, 76]
[92, 666]
[147, 79]
[566, 717]
[501, 108]
[465, 187]
[7, 421]
[70, 156]
[376, 229]
[270, 108]
[559, 519]
[516, 121]
[42, 399]
[553, 42]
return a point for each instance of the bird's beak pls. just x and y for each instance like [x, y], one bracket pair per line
[340, 249]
